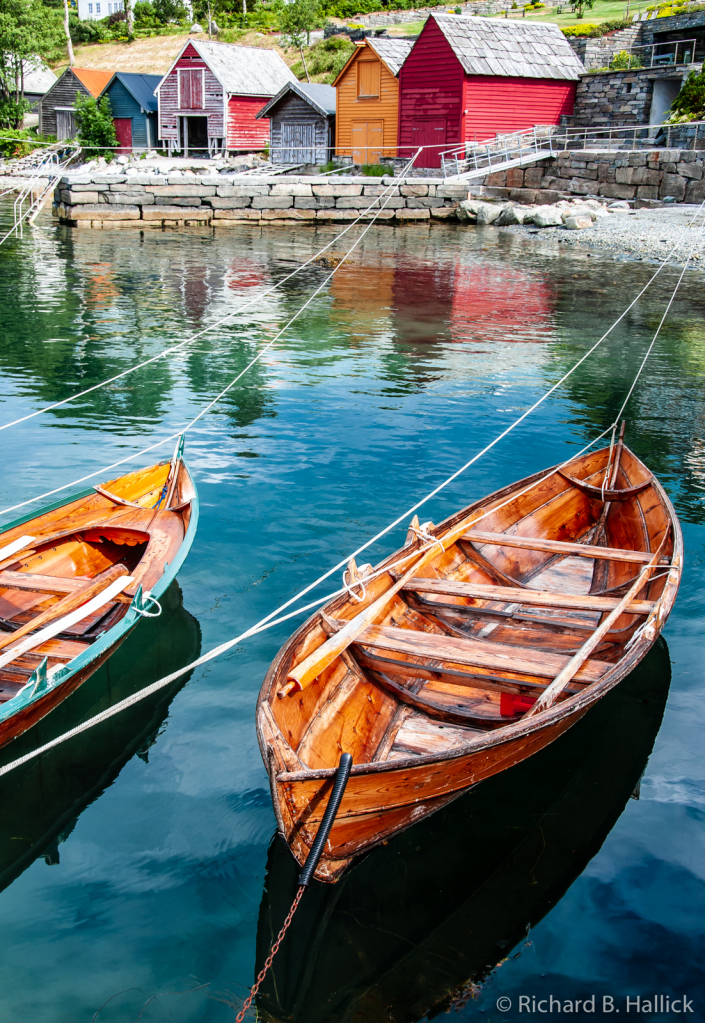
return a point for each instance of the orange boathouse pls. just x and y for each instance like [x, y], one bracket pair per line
[367, 100]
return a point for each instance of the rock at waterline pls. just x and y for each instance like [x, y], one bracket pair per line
[547, 216]
[577, 223]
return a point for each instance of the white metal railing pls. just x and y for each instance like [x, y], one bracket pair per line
[496, 154]
[668, 55]
[42, 182]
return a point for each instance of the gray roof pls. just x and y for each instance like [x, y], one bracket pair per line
[320, 97]
[392, 51]
[244, 70]
[38, 78]
[498, 46]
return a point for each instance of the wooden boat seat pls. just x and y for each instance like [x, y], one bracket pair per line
[39, 583]
[583, 550]
[596, 493]
[516, 595]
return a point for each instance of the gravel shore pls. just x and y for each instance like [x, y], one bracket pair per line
[636, 234]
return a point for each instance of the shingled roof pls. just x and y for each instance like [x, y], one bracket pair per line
[244, 70]
[392, 51]
[320, 97]
[498, 46]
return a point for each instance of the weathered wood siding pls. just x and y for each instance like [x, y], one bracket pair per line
[351, 108]
[494, 104]
[124, 104]
[63, 94]
[289, 116]
[169, 99]
[245, 132]
[430, 97]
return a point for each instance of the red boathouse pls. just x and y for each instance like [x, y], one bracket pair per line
[210, 96]
[469, 79]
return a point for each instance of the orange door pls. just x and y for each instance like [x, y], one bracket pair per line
[367, 139]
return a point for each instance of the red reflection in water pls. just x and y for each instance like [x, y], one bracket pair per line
[245, 273]
[498, 302]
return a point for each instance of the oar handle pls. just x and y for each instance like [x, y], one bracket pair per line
[341, 780]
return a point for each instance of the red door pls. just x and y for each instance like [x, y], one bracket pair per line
[429, 132]
[123, 130]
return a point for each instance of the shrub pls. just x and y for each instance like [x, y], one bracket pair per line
[623, 60]
[10, 147]
[689, 104]
[376, 170]
[595, 31]
[96, 131]
[325, 59]
[87, 31]
[12, 112]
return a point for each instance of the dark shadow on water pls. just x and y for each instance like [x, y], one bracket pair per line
[412, 927]
[42, 799]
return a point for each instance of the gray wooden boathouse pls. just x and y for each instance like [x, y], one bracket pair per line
[302, 123]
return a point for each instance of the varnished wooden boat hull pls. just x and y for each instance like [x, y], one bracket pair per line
[347, 708]
[70, 540]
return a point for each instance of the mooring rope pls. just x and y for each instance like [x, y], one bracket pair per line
[271, 620]
[218, 323]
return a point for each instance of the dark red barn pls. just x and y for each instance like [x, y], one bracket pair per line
[211, 94]
[468, 79]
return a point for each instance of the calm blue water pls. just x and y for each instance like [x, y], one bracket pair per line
[133, 861]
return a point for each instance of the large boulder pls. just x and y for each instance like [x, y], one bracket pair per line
[547, 216]
[467, 211]
[488, 212]
[577, 223]
[514, 215]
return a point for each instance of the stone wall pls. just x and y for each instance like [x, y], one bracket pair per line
[655, 174]
[596, 53]
[142, 200]
[620, 98]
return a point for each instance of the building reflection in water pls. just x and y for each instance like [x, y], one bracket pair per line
[417, 926]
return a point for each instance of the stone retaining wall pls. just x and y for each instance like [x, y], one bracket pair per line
[654, 174]
[142, 200]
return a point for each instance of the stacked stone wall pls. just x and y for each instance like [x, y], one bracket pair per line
[653, 175]
[596, 53]
[153, 200]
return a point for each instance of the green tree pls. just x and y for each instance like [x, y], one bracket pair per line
[96, 131]
[28, 29]
[298, 19]
[581, 5]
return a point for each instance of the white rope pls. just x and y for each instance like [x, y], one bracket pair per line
[267, 623]
[213, 326]
[209, 406]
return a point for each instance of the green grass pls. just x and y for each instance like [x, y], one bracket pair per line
[604, 10]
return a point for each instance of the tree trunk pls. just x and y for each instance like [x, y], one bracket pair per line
[69, 44]
[130, 15]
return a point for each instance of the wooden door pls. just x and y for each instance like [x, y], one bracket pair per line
[196, 136]
[367, 141]
[65, 124]
[431, 133]
[298, 143]
[123, 130]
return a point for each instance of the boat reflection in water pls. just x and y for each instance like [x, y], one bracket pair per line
[410, 928]
[42, 799]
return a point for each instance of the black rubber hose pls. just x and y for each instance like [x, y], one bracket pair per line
[341, 780]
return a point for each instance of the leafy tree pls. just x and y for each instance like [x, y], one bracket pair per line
[96, 131]
[581, 5]
[27, 30]
[168, 11]
[298, 19]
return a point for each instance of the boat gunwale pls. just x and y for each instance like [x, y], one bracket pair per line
[575, 705]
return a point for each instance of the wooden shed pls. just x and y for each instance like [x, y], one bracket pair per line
[210, 97]
[468, 79]
[302, 123]
[57, 107]
[134, 107]
[367, 100]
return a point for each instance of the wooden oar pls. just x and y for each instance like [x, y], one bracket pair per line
[107, 594]
[549, 696]
[66, 604]
[314, 664]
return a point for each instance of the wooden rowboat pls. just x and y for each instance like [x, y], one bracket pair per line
[76, 578]
[471, 648]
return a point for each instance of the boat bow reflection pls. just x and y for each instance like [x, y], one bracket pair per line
[42, 799]
[415, 925]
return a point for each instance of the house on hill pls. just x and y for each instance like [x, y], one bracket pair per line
[302, 123]
[134, 107]
[210, 97]
[57, 107]
[367, 104]
[469, 79]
